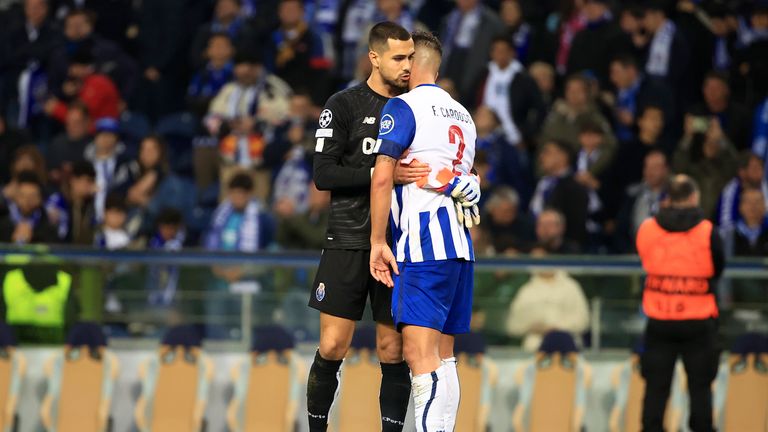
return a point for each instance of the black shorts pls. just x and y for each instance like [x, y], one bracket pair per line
[344, 282]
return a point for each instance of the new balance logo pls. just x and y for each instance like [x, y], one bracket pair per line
[369, 120]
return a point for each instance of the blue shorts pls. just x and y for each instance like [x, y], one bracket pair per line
[434, 294]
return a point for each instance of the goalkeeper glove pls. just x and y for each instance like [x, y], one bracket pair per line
[464, 189]
[468, 216]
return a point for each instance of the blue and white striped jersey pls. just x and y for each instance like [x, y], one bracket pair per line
[436, 130]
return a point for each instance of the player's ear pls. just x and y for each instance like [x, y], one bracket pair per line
[373, 56]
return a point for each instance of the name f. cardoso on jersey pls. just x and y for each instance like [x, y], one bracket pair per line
[440, 132]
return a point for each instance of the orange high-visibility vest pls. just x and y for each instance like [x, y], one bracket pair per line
[679, 267]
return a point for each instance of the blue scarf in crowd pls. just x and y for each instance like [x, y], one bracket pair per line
[248, 233]
[163, 280]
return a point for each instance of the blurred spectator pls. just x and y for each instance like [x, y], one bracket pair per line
[749, 175]
[10, 140]
[213, 75]
[69, 146]
[749, 235]
[113, 17]
[667, 52]
[550, 300]
[760, 134]
[592, 163]
[94, 90]
[306, 230]
[550, 235]
[544, 75]
[559, 190]
[106, 56]
[642, 200]
[511, 228]
[634, 92]
[25, 48]
[169, 236]
[291, 195]
[723, 46]
[466, 34]
[26, 158]
[511, 93]
[26, 220]
[295, 52]
[148, 173]
[239, 222]
[694, 26]
[706, 154]
[227, 21]
[752, 61]
[113, 234]
[106, 153]
[508, 164]
[532, 43]
[600, 41]
[568, 21]
[74, 207]
[734, 118]
[562, 123]
[162, 46]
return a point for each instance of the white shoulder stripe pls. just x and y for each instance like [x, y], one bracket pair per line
[319, 145]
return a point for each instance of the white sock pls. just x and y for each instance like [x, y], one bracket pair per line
[429, 399]
[454, 392]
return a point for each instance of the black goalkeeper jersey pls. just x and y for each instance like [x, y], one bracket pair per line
[345, 139]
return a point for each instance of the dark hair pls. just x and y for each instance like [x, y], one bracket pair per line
[31, 151]
[89, 15]
[503, 39]
[29, 177]
[662, 6]
[241, 181]
[169, 216]
[83, 168]
[589, 126]
[427, 40]
[248, 56]
[650, 107]
[115, 201]
[78, 105]
[382, 32]
[681, 187]
[162, 164]
[562, 146]
[220, 35]
[626, 60]
[81, 56]
[745, 157]
[720, 76]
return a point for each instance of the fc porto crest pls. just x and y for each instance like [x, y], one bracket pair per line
[320, 292]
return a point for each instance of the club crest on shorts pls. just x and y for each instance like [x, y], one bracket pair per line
[320, 292]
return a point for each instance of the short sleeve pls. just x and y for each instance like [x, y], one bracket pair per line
[397, 128]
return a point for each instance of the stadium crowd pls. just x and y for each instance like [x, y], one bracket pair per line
[181, 123]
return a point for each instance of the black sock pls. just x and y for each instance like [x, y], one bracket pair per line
[321, 389]
[394, 395]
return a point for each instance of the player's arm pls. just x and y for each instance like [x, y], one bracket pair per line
[331, 138]
[396, 132]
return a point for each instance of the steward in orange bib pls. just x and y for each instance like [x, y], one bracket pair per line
[682, 255]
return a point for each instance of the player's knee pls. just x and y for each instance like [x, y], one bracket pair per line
[416, 353]
[333, 347]
[389, 348]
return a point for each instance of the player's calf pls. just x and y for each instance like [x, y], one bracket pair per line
[395, 391]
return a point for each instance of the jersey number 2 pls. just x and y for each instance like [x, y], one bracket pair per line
[456, 136]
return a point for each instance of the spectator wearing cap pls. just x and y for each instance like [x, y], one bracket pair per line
[83, 83]
[734, 118]
[749, 175]
[532, 43]
[294, 52]
[558, 189]
[213, 75]
[26, 221]
[634, 92]
[578, 106]
[111, 165]
[69, 146]
[594, 47]
[641, 200]
[107, 56]
[706, 154]
[511, 93]
[466, 34]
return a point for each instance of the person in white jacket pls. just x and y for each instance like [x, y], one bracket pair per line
[550, 300]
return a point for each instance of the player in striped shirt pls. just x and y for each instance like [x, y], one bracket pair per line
[433, 257]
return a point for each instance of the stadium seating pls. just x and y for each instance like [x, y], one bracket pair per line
[553, 387]
[272, 365]
[477, 379]
[13, 366]
[358, 399]
[175, 384]
[81, 380]
[628, 389]
[741, 396]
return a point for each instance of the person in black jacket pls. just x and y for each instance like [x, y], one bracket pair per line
[594, 47]
[558, 189]
[735, 118]
[507, 88]
[25, 220]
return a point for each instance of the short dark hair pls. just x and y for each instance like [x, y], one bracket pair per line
[83, 168]
[590, 126]
[503, 39]
[89, 15]
[78, 105]
[82, 56]
[747, 156]
[626, 60]
[115, 201]
[681, 188]
[427, 40]
[241, 181]
[382, 32]
[29, 177]
[720, 76]
[248, 56]
[562, 146]
[169, 216]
